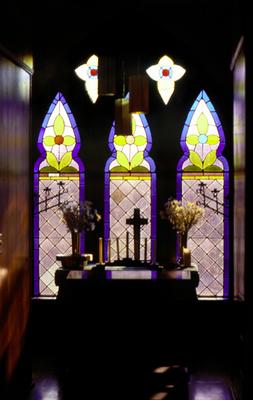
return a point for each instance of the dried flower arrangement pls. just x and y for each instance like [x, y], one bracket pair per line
[182, 217]
[80, 217]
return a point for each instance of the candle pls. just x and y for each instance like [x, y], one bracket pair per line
[109, 250]
[145, 249]
[100, 250]
[117, 244]
[89, 257]
[127, 245]
[186, 257]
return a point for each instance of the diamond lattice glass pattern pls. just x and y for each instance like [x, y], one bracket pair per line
[206, 238]
[126, 195]
[53, 235]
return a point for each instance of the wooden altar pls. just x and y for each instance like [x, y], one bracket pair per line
[123, 321]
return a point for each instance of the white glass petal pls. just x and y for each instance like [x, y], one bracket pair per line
[165, 61]
[178, 72]
[132, 151]
[93, 61]
[153, 72]
[82, 72]
[91, 86]
[165, 88]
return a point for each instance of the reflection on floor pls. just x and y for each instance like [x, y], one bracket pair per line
[54, 382]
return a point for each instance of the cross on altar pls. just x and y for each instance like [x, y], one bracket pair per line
[137, 221]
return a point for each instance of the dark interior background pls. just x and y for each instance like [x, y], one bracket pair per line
[199, 35]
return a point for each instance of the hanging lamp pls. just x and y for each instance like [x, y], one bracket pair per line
[106, 76]
[123, 119]
[138, 94]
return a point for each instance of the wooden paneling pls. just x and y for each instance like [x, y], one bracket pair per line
[15, 88]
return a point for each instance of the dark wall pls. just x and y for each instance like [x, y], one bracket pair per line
[207, 67]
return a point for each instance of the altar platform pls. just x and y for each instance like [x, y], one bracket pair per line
[173, 283]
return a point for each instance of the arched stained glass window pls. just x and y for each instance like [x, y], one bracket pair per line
[202, 176]
[58, 178]
[130, 183]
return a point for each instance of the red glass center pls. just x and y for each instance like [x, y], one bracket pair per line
[58, 139]
[166, 72]
[93, 72]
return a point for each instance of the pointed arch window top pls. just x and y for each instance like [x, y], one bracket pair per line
[203, 138]
[59, 138]
[130, 151]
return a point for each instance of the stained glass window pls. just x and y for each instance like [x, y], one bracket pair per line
[89, 73]
[166, 73]
[202, 176]
[58, 178]
[130, 183]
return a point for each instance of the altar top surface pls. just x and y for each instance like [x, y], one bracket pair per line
[120, 272]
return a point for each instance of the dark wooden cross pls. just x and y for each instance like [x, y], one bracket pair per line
[137, 222]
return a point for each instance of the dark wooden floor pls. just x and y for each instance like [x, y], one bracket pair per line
[205, 383]
[190, 358]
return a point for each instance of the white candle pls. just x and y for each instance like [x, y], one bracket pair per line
[100, 250]
[186, 257]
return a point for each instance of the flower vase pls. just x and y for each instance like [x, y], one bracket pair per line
[75, 237]
[182, 244]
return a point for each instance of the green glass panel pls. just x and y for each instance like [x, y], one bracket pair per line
[48, 169]
[66, 160]
[140, 169]
[140, 140]
[48, 141]
[69, 169]
[119, 169]
[52, 160]
[136, 160]
[202, 123]
[69, 140]
[213, 139]
[209, 159]
[213, 168]
[195, 159]
[59, 125]
[192, 139]
[192, 168]
[120, 140]
[122, 159]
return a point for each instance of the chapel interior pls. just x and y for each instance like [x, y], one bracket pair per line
[138, 338]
